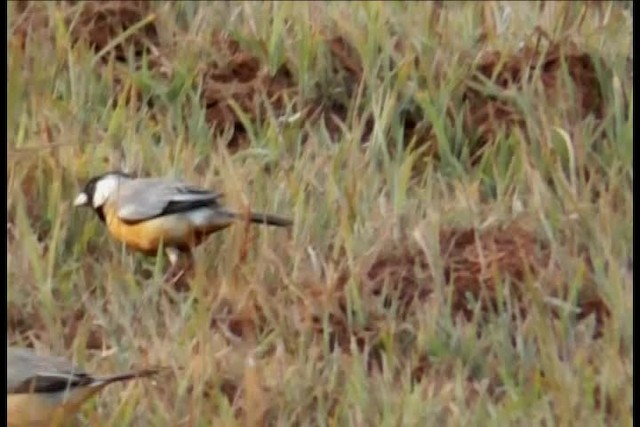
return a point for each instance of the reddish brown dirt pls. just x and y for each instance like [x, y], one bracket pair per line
[23, 322]
[474, 264]
[245, 80]
[534, 64]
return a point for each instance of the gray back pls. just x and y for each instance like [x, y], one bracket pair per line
[24, 364]
[144, 198]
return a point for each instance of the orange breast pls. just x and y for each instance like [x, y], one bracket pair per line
[31, 409]
[46, 409]
[147, 236]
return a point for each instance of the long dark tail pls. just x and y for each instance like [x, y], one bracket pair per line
[130, 375]
[268, 219]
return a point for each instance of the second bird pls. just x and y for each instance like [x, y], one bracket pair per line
[145, 213]
[47, 390]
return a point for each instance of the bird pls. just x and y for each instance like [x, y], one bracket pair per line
[48, 390]
[147, 213]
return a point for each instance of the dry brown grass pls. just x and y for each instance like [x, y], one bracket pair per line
[409, 141]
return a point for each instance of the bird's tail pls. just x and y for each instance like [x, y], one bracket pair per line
[267, 219]
[129, 375]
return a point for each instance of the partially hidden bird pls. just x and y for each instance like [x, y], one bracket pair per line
[47, 390]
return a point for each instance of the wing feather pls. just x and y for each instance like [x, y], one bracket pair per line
[27, 371]
[147, 198]
[52, 383]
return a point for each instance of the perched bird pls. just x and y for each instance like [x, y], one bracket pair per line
[146, 213]
[47, 390]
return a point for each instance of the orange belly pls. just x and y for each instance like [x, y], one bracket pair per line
[28, 409]
[171, 230]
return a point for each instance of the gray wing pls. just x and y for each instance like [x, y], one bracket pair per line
[28, 371]
[146, 198]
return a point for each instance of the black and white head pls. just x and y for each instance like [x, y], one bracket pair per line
[98, 189]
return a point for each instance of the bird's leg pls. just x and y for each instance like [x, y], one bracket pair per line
[174, 274]
[191, 263]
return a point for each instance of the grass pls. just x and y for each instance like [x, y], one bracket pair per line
[370, 125]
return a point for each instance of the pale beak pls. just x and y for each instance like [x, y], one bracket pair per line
[81, 200]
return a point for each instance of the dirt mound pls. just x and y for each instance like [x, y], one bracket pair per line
[488, 93]
[96, 22]
[475, 263]
[100, 23]
[538, 67]
[245, 81]
[398, 281]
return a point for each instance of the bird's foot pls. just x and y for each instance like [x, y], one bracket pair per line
[173, 276]
[177, 278]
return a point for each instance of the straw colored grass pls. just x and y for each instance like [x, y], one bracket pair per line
[459, 174]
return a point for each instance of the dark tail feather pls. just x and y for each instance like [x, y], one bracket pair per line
[268, 219]
[131, 375]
